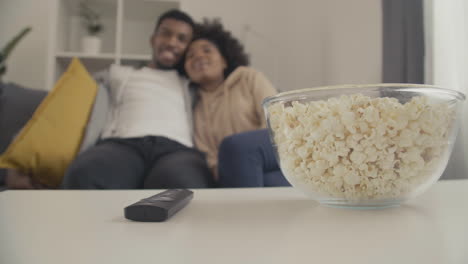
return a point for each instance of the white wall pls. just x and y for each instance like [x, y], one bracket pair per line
[27, 64]
[296, 43]
[304, 43]
[352, 41]
[448, 66]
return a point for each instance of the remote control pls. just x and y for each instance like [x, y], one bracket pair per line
[159, 207]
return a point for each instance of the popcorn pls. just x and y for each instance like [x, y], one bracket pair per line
[356, 147]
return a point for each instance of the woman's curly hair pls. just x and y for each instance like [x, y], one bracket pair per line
[230, 47]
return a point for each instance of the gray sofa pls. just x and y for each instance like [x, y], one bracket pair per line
[17, 104]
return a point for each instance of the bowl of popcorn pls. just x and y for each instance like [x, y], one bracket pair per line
[363, 146]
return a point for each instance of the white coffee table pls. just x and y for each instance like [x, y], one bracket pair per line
[269, 225]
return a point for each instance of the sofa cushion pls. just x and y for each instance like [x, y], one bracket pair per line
[51, 139]
[97, 120]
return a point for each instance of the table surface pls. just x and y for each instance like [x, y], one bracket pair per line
[269, 225]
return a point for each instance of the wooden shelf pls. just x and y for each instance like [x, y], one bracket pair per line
[67, 55]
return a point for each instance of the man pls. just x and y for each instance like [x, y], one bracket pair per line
[147, 142]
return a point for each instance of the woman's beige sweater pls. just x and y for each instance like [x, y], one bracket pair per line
[234, 107]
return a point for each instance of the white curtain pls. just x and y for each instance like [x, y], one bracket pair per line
[447, 65]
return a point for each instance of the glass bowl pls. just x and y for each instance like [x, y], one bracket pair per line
[363, 146]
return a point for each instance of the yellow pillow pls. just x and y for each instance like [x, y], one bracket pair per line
[52, 137]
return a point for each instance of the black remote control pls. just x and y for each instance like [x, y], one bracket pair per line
[159, 207]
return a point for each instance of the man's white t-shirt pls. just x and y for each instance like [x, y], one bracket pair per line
[148, 102]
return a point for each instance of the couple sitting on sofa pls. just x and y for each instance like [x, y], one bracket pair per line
[149, 141]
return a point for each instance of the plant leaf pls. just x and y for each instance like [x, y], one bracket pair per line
[10, 45]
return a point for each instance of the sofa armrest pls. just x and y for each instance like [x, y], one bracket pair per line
[17, 104]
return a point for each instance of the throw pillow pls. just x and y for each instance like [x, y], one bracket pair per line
[52, 137]
[97, 119]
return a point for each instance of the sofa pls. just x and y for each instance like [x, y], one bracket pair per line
[17, 104]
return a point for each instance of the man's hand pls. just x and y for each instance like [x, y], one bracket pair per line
[17, 180]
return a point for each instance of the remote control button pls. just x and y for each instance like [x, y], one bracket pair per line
[163, 199]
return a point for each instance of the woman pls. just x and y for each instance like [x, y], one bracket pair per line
[229, 94]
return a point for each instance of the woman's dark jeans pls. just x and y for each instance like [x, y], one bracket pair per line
[248, 160]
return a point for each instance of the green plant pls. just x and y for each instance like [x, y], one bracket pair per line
[90, 18]
[6, 51]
